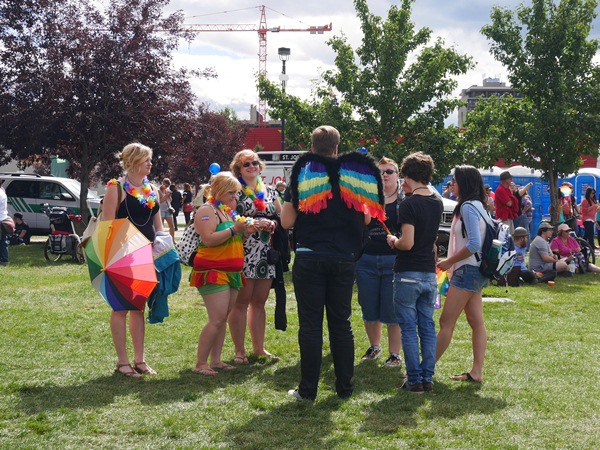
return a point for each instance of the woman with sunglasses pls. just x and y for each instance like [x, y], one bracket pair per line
[259, 202]
[375, 271]
[466, 282]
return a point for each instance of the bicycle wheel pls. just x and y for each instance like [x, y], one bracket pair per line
[48, 252]
[587, 249]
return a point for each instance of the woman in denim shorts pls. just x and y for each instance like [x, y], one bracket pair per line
[466, 282]
[375, 272]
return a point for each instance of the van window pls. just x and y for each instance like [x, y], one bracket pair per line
[23, 189]
[54, 191]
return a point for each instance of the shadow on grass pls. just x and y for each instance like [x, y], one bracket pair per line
[105, 390]
[403, 410]
[290, 425]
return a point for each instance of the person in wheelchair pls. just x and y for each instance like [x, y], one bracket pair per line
[568, 249]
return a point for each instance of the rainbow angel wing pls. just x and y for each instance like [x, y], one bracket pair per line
[314, 188]
[360, 184]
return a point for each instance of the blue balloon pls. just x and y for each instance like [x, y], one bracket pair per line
[214, 168]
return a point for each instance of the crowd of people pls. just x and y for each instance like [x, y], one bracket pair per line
[385, 244]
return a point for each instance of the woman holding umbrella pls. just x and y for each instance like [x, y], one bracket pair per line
[217, 271]
[140, 206]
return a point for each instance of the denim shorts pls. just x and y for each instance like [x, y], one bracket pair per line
[468, 278]
[375, 283]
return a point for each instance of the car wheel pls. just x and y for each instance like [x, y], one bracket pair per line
[442, 244]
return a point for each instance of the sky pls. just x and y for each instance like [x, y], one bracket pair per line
[234, 55]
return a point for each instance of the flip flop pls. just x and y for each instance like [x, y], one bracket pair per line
[223, 366]
[205, 371]
[464, 377]
[241, 360]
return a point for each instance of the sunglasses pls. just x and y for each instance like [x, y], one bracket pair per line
[388, 172]
[254, 163]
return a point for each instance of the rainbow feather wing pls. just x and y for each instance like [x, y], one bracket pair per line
[314, 188]
[359, 188]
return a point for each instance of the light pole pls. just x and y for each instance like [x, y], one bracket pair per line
[284, 55]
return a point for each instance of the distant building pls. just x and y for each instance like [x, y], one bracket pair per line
[491, 86]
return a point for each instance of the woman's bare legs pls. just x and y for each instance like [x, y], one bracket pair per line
[212, 335]
[458, 300]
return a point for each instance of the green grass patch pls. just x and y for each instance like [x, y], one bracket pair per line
[58, 389]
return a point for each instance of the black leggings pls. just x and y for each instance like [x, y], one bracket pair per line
[588, 227]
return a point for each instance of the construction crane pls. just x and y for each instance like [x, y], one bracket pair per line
[262, 30]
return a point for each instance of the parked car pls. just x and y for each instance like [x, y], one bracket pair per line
[27, 193]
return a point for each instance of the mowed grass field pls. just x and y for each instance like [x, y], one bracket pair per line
[58, 389]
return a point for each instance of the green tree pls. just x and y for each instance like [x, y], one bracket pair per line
[399, 84]
[549, 57]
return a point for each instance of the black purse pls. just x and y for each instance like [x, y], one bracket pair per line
[273, 256]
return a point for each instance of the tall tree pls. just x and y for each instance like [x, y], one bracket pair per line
[399, 84]
[80, 83]
[549, 57]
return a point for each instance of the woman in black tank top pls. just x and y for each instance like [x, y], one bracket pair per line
[141, 210]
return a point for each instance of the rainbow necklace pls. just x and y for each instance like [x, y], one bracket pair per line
[257, 196]
[229, 212]
[147, 196]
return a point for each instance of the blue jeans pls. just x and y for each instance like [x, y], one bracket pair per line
[3, 245]
[324, 284]
[414, 297]
[375, 283]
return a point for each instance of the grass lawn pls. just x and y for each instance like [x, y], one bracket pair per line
[58, 389]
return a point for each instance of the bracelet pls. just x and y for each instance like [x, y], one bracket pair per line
[232, 231]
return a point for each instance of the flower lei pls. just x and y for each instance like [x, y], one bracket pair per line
[230, 212]
[259, 198]
[146, 198]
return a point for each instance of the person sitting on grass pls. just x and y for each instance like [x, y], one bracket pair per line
[22, 234]
[519, 274]
[541, 258]
[569, 250]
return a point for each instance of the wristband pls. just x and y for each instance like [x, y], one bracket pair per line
[232, 231]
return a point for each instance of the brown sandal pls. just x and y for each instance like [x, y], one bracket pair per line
[147, 371]
[131, 373]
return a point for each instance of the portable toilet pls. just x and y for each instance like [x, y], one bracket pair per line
[586, 177]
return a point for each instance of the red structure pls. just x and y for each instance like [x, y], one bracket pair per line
[268, 138]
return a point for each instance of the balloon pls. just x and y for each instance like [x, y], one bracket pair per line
[214, 168]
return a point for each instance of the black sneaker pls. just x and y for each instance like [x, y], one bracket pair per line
[428, 386]
[372, 352]
[416, 388]
[393, 361]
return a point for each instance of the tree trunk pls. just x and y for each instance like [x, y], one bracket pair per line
[553, 186]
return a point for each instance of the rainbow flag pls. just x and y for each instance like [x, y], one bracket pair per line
[443, 282]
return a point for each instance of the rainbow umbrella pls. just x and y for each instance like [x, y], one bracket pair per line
[443, 282]
[121, 266]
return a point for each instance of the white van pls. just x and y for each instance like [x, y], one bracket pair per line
[27, 193]
[279, 166]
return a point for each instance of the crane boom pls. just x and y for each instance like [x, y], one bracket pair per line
[262, 44]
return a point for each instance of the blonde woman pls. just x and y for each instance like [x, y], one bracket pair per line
[217, 266]
[259, 202]
[142, 210]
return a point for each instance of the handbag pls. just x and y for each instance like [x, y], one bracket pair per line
[188, 245]
[93, 223]
[188, 207]
[273, 256]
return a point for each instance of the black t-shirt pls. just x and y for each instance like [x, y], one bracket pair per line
[176, 199]
[335, 230]
[19, 227]
[377, 243]
[424, 213]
